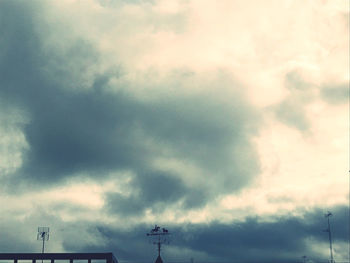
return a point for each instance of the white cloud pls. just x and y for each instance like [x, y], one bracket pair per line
[12, 140]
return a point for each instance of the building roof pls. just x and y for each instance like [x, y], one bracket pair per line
[109, 257]
[159, 260]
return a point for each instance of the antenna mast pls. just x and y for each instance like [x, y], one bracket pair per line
[43, 234]
[329, 214]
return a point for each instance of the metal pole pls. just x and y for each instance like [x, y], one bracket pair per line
[159, 246]
[43, 244]
[42, 261]
[330, 240]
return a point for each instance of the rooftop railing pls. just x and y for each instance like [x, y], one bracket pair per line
[52, 257]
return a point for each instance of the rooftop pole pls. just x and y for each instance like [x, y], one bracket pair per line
[159, 245]
[329, 214]
[159, 237]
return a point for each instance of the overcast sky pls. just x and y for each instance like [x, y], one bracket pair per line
[227, 122]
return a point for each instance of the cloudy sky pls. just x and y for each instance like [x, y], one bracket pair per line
[224, 121]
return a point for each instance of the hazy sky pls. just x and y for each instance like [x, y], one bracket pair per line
[225, 121]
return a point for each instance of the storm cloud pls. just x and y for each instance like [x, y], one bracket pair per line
[251, 240]
[119, 115]
[95, 129]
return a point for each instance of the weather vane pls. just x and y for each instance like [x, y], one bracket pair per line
[160, 236]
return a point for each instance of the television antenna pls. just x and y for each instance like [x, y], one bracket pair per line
[328, 215]
[43, 235]
[160, 236]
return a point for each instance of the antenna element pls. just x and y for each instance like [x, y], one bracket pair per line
[43, 234]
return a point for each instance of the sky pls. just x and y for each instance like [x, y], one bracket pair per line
[226, 122]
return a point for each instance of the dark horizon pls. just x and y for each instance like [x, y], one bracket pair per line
[108, 257]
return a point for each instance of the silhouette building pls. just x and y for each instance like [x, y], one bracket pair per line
[52, 257]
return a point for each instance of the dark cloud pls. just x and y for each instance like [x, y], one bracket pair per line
[19, 228]
[284, 238]
[294, 81]
[252, 240]
[155, 191]
[292, 115]
[291, 110]
[79, 124]
[13, 239]
[336, 94]
[149, 190]
[127, 244]
[281, 240]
